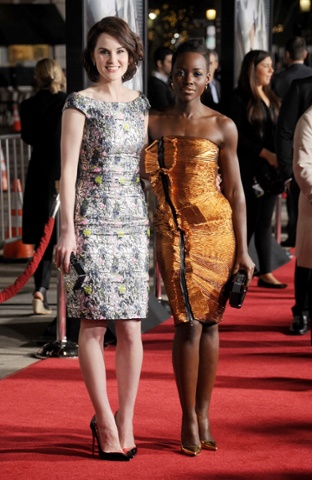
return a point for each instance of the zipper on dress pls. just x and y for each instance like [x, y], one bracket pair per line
[188, 308]
[164, 179]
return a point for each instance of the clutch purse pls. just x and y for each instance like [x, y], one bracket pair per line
[238, 289]
[79, 270]
[269, 179]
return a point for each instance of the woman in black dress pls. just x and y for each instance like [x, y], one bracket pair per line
[254, 108]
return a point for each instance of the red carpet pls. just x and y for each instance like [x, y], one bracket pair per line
[261, 413]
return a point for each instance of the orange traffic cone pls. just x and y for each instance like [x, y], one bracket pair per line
[4, 175]
[16, 119]
[14, 248]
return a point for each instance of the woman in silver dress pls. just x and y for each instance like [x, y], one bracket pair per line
[104, 223]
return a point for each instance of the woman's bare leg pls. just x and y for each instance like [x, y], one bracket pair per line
[129, 356]
[208, 361]
[92, 365]
[185, 359]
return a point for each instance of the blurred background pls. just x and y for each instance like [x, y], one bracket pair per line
[32, 30]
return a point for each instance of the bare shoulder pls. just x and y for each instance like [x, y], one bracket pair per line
[218, 127]
[228, 128]
[224, 121]
[221, 120]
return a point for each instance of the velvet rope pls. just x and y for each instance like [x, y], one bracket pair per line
[12, 290]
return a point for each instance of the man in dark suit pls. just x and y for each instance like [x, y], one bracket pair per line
[212, 95]
[295, 102]
[295, 55]
[159, 92]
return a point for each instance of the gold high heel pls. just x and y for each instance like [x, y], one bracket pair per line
[210, 445]
[207, 444]
[191, 450]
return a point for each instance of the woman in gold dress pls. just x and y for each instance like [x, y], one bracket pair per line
[201, 231]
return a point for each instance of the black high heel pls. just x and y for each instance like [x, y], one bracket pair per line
[132, 451]
[113, 456]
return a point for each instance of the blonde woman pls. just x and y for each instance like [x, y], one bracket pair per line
[41, 128]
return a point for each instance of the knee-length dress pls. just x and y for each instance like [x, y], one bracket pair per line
[195, 238]
[110, 216]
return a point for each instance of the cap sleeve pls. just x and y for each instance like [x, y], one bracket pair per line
[78, 102]
[145, 103]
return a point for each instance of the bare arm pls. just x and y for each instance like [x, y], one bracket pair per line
[233, 191]
[72, 130]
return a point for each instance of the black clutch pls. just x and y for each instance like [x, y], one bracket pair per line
[269, 179]
[81, 274]
[238, 289]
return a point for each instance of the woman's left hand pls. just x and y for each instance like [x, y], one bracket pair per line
[244, 262]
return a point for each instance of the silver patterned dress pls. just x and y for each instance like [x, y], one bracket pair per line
[111, 219]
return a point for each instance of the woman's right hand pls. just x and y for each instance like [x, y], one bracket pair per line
[270, 157]
[64, 247]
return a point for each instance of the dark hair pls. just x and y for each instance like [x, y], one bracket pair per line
[296, 47]
[247, 86]
[160, 54]
[196, 45]
[120, 30]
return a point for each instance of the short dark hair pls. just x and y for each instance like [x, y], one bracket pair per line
[120, 30]
[160, 54]
[196, 45]
[296, 47]
[215, 53]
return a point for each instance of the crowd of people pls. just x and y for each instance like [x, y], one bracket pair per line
[203, 165]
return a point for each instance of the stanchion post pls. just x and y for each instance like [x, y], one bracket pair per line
[61, 348]
[61, 300]
[61, 309]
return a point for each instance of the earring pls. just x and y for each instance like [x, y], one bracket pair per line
[206, 86]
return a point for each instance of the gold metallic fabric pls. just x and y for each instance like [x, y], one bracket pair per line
[195, 242]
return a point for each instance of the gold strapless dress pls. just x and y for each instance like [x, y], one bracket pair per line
[195, 241]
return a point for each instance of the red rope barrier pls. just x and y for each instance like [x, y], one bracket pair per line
[12, 290]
